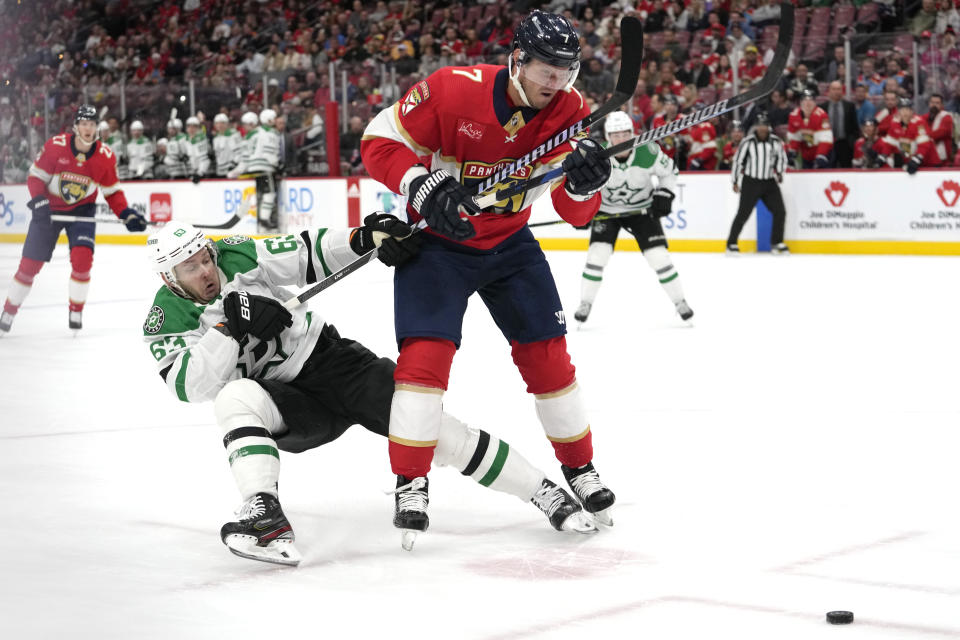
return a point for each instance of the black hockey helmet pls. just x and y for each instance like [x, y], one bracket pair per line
[763, 118]
[808, 93]
[905, 103]
[85, 112]
[550, 38]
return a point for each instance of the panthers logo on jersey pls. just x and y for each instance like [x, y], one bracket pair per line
[73, 187]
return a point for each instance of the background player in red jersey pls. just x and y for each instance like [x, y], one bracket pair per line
[470, 122]
[65, 179]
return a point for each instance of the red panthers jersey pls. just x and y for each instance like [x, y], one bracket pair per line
[668, 144]
[703, 145]
[884, 119]
[909, 139]
[941, 131]
[461, 119]
[70, 178]
[810, 137]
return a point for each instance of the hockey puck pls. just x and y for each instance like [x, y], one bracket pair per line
[840, 617]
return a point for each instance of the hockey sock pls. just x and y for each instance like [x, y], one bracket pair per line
[659, 260]
[249, 418]
[81, 261]
[423, 368]
[487, 459]
[22, 282]
[597, 257]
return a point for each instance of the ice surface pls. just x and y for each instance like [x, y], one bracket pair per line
[792, 453]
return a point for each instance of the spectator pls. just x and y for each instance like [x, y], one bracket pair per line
[835, 66]
[598, 81]
[589, 33]
[948, 18]
[925, 19]
[870, 78]
[693, 18]
[656, 19]
[699, 73]
[672, 49]
[940, 126]
[288, 151]
[642, 102]
[779, 109]
[843, 123]
[801, 81]
[350, 145]
[766, 14]
[749, 66]
[865, 108]
[738, 38]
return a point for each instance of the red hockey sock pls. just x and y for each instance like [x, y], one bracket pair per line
[575, 454]
[22, 281]
[81, 259]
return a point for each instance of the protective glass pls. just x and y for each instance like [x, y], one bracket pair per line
[548, 76]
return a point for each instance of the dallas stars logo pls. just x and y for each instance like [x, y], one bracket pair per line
[154, 320]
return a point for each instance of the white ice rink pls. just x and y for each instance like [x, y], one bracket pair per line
[794, 452]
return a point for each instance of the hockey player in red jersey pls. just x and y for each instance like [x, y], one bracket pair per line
[907, 143]
[864, 155]
[702, 141]
[809, 134]
[940, 126]
[469, 122]
[886, 116]
[64, 180]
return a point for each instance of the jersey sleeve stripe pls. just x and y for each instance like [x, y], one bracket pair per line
[39, 173]
[181, 382]
[109, 191]
[404, 135]
[319, 252]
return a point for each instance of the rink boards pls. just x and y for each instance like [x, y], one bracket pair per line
[827, 211]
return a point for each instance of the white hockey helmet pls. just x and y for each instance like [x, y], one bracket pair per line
[221, 117]
[194, 121]
[249, 119]
[136, 125]
[162, 142]
[175, 123]
[268, 117]
[171, 245]
[617, 121]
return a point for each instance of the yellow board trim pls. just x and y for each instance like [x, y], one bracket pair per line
[413, 443]
[579, 436]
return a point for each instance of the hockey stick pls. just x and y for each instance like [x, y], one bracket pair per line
[336, 276]
[601, 217]
[65, 218]
[767, 84]
[631, 46]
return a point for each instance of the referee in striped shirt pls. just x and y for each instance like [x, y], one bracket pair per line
[758, 168]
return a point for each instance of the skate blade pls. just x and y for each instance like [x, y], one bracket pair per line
[407, 538]
[579, 522]
[604, 517]
[277, 552]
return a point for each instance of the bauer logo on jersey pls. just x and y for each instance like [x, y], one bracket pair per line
[416, 95]
[73, 187]
[154, 320]
[232, 240]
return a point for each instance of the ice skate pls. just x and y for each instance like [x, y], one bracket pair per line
[684, 310]
[780, 249]
[733, 249]
[6, 321]
[582, 312]
[262, 532]
[410, 512]
[563, 511]
[76, 321]
[592, 493]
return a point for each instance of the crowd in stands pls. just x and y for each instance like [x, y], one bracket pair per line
[140, 59]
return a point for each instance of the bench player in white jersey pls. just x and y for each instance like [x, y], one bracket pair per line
[198, 150]
[139, 153]
[640, 191]
[175, 159]
[226, 145]
[261, 158]
[286, 380]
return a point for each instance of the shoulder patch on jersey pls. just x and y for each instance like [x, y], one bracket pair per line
[239, 239]
[154, 320]
[236, 258]
[417, 94]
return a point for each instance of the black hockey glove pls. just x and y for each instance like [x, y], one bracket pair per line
[586, 168]
[662, 203]
[40, 207]
[914, 164]
[439, 198]
[133, 220]
[195, 178]
[821, 162]
[259, 316]
[394, 239]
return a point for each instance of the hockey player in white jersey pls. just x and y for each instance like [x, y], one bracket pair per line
[285, 380]
[198, 150]
[640, 191]
[139, 153]
[175, 160]
[260, 158]
[226, 145]
[112, 136]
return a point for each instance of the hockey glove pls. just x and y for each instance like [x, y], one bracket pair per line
[259, 316]
[133, 220]
[195, 178]
[394, 239]
[439, 198]
[586, 168]
[914, 164]
[40, 207]
[662, 203]
[821, 162]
